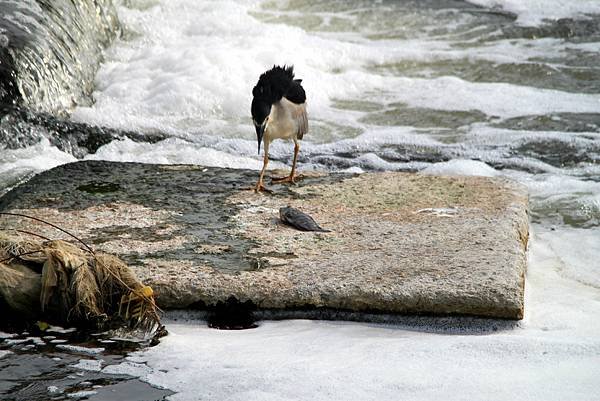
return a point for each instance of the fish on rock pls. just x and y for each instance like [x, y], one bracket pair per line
[300, 220]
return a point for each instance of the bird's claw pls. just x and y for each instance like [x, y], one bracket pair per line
[261, 188]
[281, 180]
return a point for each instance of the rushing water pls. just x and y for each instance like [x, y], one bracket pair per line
[401, 85]
[49, 51]
[498, 88]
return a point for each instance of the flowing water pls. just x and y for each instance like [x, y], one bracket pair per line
[488, 87]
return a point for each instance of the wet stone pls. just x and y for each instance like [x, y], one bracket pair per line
[399, 243]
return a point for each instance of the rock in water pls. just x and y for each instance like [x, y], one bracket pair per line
[300, 220]
[411, 244]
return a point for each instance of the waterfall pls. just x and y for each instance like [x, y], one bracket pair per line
[50, 51]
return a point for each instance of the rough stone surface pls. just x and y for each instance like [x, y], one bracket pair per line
[400, 243]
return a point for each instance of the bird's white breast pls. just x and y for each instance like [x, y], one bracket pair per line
[281, 123]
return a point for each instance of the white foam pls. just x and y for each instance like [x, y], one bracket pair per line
[61, 330]
[534, 12]
[373, 138]
[578, 265]
[460, 167]
[196, 63]
[127, 368]
[562, 284]
[480, 134]
[16, 341]
[176, 151]
[241, 153]
[79, 349]
[192, 67]
[494, 99]
[36, 340]
[16, 164]
[82, 394]
[523, 51]
[551, 185]
[53, 389]
[94, 365]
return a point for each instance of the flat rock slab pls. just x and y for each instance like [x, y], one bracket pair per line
[399, 243]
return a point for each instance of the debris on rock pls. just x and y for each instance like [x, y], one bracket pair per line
[299, 220]
[56, 281]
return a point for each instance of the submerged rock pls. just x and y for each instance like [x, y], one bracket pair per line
[400, 243]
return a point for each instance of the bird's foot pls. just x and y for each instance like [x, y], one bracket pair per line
[261, 188]
[281, 180]
[291, 179]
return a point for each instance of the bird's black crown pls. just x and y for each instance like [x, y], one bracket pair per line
[271, 87]
[273, 84]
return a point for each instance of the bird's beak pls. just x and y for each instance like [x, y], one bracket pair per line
[260, 131]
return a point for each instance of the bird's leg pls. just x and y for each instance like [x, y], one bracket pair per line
[296, 150]
[292, 177]
[259, 185]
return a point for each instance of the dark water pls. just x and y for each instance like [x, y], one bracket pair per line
[64, 364]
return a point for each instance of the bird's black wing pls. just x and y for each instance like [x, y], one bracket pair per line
[295, 92]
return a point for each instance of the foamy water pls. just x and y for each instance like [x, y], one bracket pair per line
[439, 87]
[193, 77]
[18, 165]
[533, 12]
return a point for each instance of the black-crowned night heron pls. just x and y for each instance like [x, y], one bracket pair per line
[279, 111]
